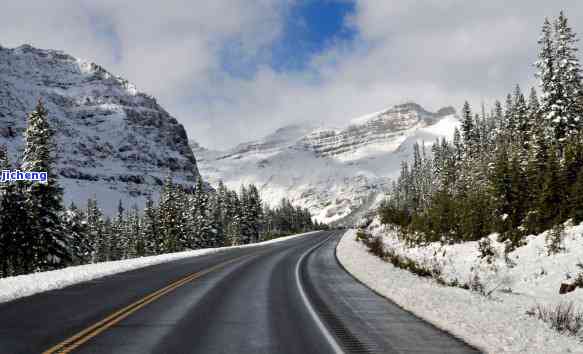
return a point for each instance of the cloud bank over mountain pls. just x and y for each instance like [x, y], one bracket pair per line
[434, 52]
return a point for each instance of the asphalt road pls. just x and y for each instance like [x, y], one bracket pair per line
[287, 297]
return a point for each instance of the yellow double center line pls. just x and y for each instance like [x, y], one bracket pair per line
[85, 335]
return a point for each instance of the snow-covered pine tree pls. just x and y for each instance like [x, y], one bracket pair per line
[75, 223]
[523, 124]
[150, 232]
[233, 217]
[51, 244]
[168, 214]
[181, 202]
[256, 212]
[136, 245]
[576, 198]
[97, 236]
[468, 129]
[498, 116]
[216, 218]
[201, 217]
[118, 241]
[15, 241]
[509, 126]
[549, 203]
[458, 145]
[567, 78]
[223, 205]
[560, 79]
[545, 71]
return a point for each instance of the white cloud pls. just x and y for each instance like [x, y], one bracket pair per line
[435, 52]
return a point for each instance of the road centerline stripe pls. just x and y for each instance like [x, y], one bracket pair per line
[90, 332]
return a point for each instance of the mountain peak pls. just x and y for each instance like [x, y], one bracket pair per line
[409, 106]
[111, 139]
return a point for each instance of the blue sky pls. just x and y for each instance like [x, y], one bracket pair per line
[309, 28]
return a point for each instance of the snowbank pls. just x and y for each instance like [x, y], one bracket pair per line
[496, 325]
[25, 285]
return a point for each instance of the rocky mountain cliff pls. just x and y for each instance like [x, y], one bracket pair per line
[112, 141]
[336, 173]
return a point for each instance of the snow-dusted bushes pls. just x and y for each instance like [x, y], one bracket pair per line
[376, 246]
[563, 317]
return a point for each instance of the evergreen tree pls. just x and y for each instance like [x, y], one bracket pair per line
[523, 124]
[552, 192]
[150, 232]
[546, 67]
[51, 244]
[576, 199]
[76, 226]
[168, 216]
[96, 230]
[15, 241]
[201, 216]
[135, 244]
[233, 215]
[467, 128]
[567, 78]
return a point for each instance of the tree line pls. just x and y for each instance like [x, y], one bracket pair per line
[516, 170]
[38, 233]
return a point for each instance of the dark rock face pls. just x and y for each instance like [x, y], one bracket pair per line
[106, 130]
[567, 288]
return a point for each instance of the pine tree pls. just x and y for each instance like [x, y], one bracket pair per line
[168, 216]
[509, 127]
[52, 245]
[576, 199]
[552, 192]
[567, 75]
[560, 79]
[546, 67]
[468, 129]
[523, 124]
[15, 241]
[234, 216]
[498, 116]
[118, 240]
[216, 221]
[77, 228]
[135, 246]
[97, 237]
[150, 233]
[201, 216]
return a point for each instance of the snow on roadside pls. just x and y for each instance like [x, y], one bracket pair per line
[495, 325]
[12, 288]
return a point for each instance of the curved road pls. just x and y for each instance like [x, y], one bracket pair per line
[286, 297]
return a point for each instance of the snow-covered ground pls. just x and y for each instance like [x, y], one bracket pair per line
[25, 285]
[495, 324]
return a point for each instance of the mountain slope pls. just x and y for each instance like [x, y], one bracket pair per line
[336, 173]
[112, 141]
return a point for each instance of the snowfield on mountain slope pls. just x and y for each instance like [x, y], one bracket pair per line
[12, 288]
[334, 173]
[499, 324]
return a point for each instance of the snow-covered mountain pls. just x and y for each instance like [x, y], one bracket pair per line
[113, 141]
[336, 173]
